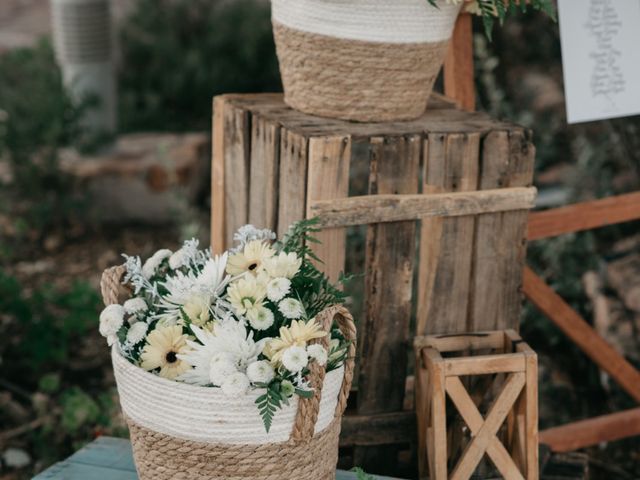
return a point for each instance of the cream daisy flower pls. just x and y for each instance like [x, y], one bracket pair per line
[283, 265]
[250, 259]
[162, 349]
[298, 334]
[246, 294]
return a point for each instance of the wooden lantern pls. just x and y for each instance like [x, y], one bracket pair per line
[500, 356]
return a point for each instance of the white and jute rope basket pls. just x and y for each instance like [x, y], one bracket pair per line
[364, 60]
[181, 431]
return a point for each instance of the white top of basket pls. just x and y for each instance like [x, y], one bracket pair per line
[205, 414]
[387, 21]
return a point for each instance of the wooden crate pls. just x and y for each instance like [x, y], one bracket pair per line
[443, 199]
[446, 366]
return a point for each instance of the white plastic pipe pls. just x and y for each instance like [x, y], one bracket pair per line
[82, 42]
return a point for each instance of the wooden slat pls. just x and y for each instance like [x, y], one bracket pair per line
[593, 431]
[263, 194]
[500, 247]
[458, 65]
[236, 151]
[217, 177]
[495, 417]
[293, 180]
[369, 209]
[389, 260]
[584, 216]
[484, 364]
[469, 412]
[446, 245]
[581, 333]
[531, 412]
[438, 421]
[328, 177]
[459, 342]
[378, 429]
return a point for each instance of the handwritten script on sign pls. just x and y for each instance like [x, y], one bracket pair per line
[601, 58]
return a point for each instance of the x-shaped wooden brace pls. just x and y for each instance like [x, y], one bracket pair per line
[484, 431]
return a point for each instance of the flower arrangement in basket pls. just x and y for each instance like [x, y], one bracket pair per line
[231, 366]
[371, 60]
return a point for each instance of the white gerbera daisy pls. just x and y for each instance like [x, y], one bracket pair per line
[137, 332]
[135, 305]
[260, 372]
[251, 259]
[235, 384]
[151, 265]
[318, 353]
[246, 294]
[291, 308]
[295, 359]
[111, 320]
[283, 265]
[278, 288]
[260, 318]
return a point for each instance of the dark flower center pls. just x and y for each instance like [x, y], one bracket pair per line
[253, 266]
[171, 357]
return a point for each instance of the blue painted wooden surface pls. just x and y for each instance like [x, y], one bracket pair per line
[110, 458]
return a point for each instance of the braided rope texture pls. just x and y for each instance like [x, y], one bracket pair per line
[356, 80]
[162, 457]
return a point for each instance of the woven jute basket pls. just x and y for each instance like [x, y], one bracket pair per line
[181, 431]
[363, 60]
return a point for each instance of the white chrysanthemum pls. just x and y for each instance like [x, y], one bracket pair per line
[291, 308]
[212, 275]
[178, 259]
[220, 367]
[197, 308]
[151, 265]
[260, 318]
[137, 332]
[283, 265]
[246, 294]
[111, 320]
[260, 372]
[135, 305]
[278, 288]
[235, 384]
[229, 337]
[295, 359]
[318, 353]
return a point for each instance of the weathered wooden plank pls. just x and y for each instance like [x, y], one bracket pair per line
[584, 216]
[446, 245]
[264, 164]
[293, 180]
[458, 65]
[592, 431]
[460, 342]
[378, 429]
[484, 364]
[500, 246]
[328, 177]
[581, 333]
[366, 209]
[236, 146]
[389, 262]
[217, 177]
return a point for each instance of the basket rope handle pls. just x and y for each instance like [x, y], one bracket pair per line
[308, 408]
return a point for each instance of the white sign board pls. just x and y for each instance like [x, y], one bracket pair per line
[601, 58]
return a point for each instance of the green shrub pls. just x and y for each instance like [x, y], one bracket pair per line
[177, 54]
